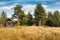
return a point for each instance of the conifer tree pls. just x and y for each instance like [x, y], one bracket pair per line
[3, 17]
[40, 14]
[18, 13]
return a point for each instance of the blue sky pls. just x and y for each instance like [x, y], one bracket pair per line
[28, 5]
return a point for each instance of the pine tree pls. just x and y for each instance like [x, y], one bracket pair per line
[53, 20]
[56, 18]
[40, 14]
[29, 16]
[27, 20]
[18, 13]
[3, 17]
[50, 19]
[24, 21]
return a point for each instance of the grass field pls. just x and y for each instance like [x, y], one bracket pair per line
[30, 33]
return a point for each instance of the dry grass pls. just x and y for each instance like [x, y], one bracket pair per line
[30, 33]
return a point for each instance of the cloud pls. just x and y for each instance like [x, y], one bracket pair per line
[8, 8]
[28, 8]
[45, 6]
[52, 10]
[57, 3]
[53, 7]
[2, 3]
[25, 8]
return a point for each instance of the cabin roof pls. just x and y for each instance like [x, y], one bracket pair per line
[8, 19]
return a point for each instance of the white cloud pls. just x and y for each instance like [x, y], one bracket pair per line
[9, 8]
[52, 10]
[2, 3]
[5, 8]
[57, 3]
[15, 4]
[29, 8]
[54, 7]
[45, 6]
[25, 8]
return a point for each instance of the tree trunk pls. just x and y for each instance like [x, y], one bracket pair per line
[18, 22]
[40, 23]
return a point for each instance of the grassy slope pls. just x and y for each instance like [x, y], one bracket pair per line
[30, 33]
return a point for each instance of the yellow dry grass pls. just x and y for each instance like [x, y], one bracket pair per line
[30, 33]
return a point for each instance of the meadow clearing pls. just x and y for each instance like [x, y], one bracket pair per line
[30, 33]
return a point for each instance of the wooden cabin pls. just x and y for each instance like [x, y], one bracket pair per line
[9, 23]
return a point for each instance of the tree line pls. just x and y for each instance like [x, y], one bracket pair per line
[40, 18]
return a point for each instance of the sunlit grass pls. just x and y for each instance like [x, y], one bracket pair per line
[30, 33]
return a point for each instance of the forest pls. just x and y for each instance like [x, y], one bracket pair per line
[39, 18]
